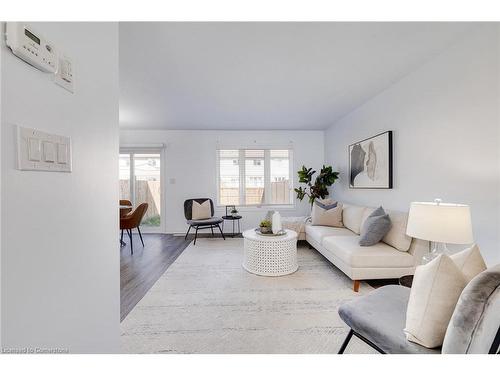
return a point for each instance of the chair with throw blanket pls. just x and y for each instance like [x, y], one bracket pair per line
[379, 318]
[199, 213]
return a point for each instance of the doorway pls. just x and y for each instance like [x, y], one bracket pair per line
[141, 182]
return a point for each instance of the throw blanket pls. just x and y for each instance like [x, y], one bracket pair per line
[296, 223]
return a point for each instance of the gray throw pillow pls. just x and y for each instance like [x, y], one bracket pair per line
[375, 228]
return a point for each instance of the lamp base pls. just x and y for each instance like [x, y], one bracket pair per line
[437, 250]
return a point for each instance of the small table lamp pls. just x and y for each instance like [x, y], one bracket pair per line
[439, 222]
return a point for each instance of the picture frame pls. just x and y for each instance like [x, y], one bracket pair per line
[371, 162]
[229, 208]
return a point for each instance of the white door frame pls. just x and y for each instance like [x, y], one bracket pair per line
[148, 149]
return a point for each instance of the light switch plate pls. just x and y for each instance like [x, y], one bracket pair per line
[64, 76]
[49, 152]
[34, 153]
[41, 151]
[62, 153]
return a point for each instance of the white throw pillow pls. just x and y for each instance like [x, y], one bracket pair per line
[470, 262]
[436, 288]
[201, 211]
[331, 217]
[352, 216]
[397, 237]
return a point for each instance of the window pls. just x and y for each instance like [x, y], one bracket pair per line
[254, 177]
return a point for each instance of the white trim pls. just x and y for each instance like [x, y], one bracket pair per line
[141, 145]
[151, 149]
[267, 177]
[256, 146]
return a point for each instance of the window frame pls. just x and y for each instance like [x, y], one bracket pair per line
[267, 177]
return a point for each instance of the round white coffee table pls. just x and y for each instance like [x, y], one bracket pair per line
[270, 255]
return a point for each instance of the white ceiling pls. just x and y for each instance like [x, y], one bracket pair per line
[265, 75]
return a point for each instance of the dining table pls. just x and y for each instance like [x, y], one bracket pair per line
[124, 210]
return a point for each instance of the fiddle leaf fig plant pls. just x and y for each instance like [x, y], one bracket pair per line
[318, 189]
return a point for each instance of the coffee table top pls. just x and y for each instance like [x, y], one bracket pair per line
[252, 235]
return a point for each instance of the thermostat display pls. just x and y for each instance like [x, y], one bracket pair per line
[30, 46]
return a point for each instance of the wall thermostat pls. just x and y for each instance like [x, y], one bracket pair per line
[31, 46]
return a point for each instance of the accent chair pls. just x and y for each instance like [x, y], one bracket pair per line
[379, 318]
[212, 222]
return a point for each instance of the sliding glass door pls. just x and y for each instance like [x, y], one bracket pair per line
[141, 182]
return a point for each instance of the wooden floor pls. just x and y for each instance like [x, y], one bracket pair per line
[138, 272]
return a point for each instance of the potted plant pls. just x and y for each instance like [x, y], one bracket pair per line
[319, 189]
[265, 227]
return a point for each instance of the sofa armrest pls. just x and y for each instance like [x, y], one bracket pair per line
[418, 249]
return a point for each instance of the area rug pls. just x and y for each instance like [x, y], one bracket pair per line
[207, 303]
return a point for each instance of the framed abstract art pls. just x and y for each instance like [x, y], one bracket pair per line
[370, 162]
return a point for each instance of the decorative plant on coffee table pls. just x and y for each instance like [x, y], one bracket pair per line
[319, 189]
[265, 226]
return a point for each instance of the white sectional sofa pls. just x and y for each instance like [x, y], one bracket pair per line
[395, 256]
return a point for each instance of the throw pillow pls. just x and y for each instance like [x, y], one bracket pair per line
[436, 288]
[352, 216]
[397, 237]
[375, 227]
[327, 213]
[201, 211]
[470, 262]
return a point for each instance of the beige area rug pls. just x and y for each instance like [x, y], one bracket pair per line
[207, 303]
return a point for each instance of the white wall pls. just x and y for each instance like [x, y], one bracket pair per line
[445, 118]
[1, 274]
[60, 251]
[191, 161]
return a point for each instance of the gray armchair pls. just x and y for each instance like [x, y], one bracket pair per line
[379, 318]
[211, 223]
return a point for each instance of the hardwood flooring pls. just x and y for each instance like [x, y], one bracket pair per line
[138, 272]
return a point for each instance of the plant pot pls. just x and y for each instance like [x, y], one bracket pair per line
[266, 230]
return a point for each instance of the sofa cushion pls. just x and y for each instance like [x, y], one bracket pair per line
[326, 213]
[351, 217]
[348, 250]
[396, 237]
[319, 232]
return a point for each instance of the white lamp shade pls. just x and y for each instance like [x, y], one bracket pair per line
[440, 222]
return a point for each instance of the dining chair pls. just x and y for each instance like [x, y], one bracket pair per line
[131, 221]
[125, 207]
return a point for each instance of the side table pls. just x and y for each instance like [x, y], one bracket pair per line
[406, 281]
[233, 219]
